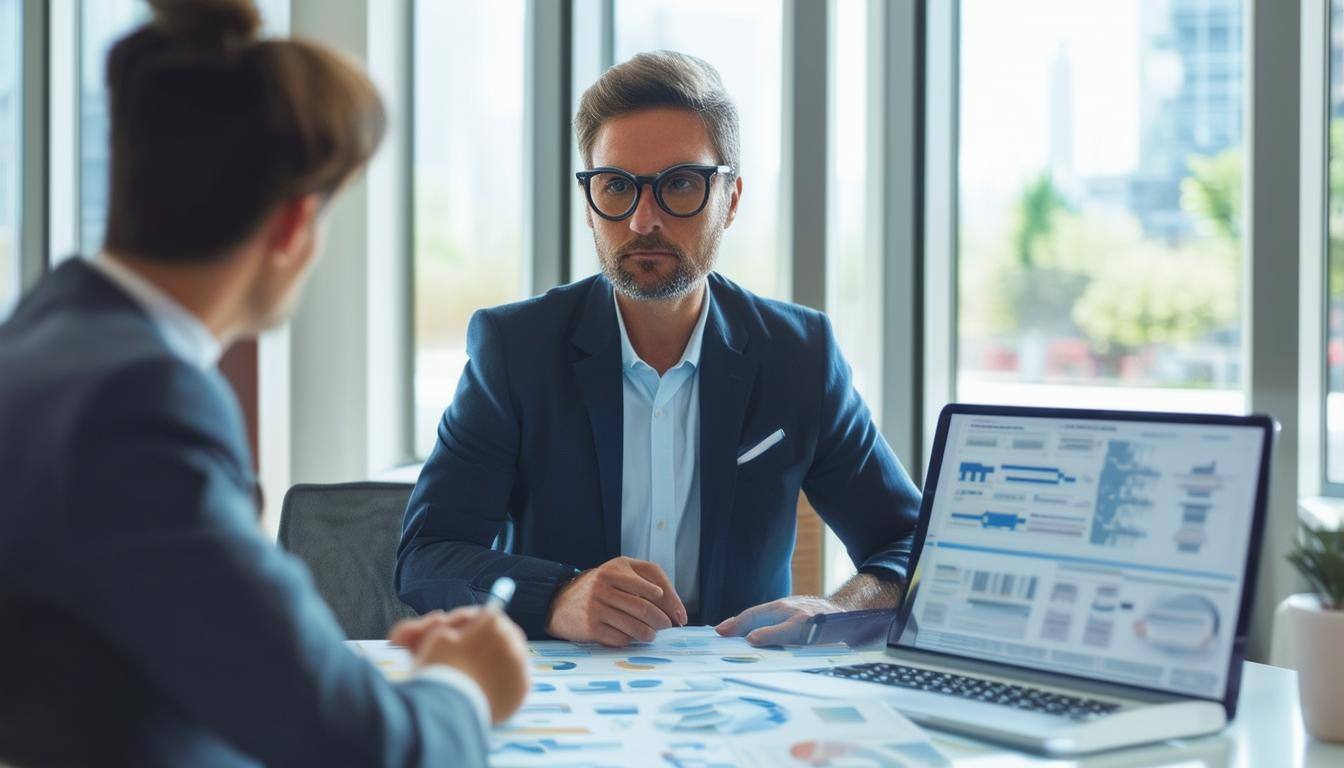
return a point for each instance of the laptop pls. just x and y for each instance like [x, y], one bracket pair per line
[1083, 579]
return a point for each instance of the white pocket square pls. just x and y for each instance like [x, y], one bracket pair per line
[761, 447]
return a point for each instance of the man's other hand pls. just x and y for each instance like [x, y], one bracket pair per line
[485, 645]
[619, 602]
[779, 622]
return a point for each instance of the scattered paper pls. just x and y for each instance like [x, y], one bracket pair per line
[684, 701]
[683, 650]
[675, 724]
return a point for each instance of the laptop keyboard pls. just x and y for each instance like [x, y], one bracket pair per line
[1019, 696]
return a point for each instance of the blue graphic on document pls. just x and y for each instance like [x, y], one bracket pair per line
[974, 472]
[1024, 473]
[1004, 520]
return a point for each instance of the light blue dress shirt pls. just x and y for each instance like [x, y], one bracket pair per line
[660, 476]
[184, 333]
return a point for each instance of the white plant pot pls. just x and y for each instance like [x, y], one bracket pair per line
[1318, 654]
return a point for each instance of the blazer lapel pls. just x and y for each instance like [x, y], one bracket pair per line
[726, 378]
[599, 379]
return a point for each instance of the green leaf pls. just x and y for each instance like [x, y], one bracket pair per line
[1319, 556]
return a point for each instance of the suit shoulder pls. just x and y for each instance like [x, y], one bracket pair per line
[82, 367]
[162, 391]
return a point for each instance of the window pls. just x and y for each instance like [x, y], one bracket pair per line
[1100, 166]
[11, 100]
[853, 264]
[102, 23]
[469, 185]
[1334, 350]
[743, 39]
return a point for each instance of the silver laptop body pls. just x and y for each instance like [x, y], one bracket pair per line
[1083, 579]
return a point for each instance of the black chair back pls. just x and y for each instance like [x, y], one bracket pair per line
[347, 534]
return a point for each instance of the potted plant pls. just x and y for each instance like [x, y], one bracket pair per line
[1317, 629]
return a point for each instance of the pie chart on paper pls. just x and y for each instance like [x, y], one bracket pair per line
[834, 754]
[723, 714]
[553, 666]
[642, 663]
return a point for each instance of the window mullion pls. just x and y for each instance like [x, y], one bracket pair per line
[33, 142]
[804, 171]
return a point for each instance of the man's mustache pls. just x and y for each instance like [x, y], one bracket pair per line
[649, 243]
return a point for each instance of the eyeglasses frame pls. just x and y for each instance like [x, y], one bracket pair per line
[653, 181]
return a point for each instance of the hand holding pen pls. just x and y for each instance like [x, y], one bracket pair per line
[479, 641]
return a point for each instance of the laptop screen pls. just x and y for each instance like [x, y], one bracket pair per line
[1107, 549]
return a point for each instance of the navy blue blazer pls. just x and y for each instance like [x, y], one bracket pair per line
[534, 438]
[143, 618]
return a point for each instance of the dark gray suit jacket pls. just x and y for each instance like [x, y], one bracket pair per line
[143, 618]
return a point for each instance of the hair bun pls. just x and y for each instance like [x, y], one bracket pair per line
[218, 22]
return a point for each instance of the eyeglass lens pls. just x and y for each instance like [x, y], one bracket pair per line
[681, 193]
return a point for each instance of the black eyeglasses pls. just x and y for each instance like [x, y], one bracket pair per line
[682, 190]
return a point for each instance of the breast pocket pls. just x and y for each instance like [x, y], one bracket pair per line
[758, 450]
[766, 460]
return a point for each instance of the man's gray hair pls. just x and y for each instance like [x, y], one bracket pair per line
[661, 79]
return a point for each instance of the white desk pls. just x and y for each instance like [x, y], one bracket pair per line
[1267, 733]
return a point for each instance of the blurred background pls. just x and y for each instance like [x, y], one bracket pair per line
[1133, 204]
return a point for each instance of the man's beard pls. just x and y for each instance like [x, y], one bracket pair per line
[685, 276]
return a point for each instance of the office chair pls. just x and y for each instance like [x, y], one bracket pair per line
[347, 534]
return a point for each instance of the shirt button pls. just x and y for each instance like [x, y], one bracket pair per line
[662, 525]
[658, 413]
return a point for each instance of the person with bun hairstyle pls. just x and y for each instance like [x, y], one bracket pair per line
[144, 619]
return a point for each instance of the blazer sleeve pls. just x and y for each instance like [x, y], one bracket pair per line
[166, 563]
[460, 506]
[856, 483]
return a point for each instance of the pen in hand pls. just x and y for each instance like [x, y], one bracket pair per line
[501, 592]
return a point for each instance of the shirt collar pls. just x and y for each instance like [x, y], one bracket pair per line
[630, 358]
[183, 332]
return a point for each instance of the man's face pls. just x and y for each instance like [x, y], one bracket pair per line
[652, 254]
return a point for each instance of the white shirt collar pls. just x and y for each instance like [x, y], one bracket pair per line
[629, 357]
[183, 332]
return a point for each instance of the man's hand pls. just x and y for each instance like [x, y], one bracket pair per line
[785, 621]
[619, 602]
[484, 645]
[779, 622]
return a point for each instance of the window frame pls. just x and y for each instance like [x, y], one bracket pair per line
[1315, 262]
[34, 26]
[30, 219]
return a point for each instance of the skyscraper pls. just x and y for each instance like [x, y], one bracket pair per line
[1191, 100]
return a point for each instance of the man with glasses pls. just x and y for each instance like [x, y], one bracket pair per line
[630, 448]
